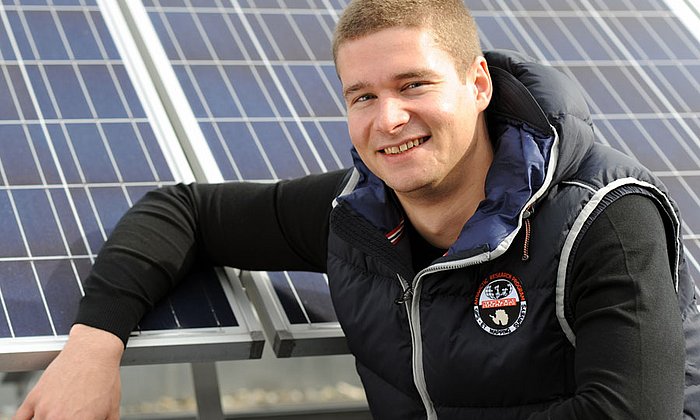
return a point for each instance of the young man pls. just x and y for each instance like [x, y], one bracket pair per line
[487, 260]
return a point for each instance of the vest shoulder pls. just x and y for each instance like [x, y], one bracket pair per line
[603, 165]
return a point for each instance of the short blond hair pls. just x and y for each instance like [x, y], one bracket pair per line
[449, 21]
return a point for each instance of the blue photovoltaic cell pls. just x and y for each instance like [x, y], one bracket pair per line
[284, 117]
[23, 300]
[182, 308]
[52, 275]
[304, 297]
[76, 151]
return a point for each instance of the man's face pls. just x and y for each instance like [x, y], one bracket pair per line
[412, 117]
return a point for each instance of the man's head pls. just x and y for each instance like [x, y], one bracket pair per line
[415, 119]
[449, 21]
[415, 96]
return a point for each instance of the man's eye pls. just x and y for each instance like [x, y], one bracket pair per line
[413, 85]
[362, 98]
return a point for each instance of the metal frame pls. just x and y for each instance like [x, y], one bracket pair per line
[287, 339]
[154, 347]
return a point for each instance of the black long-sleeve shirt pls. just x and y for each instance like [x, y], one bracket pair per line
[629, 354]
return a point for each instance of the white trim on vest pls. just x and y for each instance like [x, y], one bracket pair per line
[349, 186]
[573, 234]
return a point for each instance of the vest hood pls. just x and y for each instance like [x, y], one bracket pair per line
[547, 93]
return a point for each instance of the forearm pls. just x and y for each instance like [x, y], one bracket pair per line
[249, 226]
[150, 249]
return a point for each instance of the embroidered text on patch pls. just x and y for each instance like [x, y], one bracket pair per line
[499, 304]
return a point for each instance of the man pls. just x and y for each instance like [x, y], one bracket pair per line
[486, 259]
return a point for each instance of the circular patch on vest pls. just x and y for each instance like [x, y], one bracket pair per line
[499, 304]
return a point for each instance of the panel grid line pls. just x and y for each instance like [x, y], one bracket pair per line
[619, 99]
[312, 56]
[232, 92]
[690, 44]
[340, 103]
[273, 74]
[326, 83]
[641, 128]
[227, 83]
[69, 121]
[45, 130]
[593, 105]
[90, 185]
[610, 88]
[45, 258]
[278, 84]
[655, 89]
[89, 101]
[120, 93]
[27, 80]
[647, 136]
[247, 59]
[27, 248]
[195, 84]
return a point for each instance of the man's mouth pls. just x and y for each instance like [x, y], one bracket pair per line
[395, 150]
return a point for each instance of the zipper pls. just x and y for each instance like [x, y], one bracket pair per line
[411, 298]
[528, 233]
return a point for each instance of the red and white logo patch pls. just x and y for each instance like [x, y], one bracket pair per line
[499, 304]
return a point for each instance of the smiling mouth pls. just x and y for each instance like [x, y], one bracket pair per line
[395, 150]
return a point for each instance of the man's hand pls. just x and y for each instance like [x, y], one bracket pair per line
[82, 382]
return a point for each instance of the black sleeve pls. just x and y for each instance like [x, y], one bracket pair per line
[253, 226]
[629, 360]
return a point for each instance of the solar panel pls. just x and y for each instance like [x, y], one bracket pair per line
[250, 90]
[258, 79]
[78, 146]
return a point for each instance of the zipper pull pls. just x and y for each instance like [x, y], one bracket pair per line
[406, 296]
[407, 293]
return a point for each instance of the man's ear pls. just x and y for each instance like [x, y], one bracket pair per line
[483, 87]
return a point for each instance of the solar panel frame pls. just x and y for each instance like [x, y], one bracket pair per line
[287, 338]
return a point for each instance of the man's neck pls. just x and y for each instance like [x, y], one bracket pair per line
[440, 214]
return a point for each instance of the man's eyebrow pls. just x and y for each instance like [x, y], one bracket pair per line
[354, 88]
[412, 74]
[416, 74]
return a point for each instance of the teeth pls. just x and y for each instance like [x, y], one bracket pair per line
[393, 150]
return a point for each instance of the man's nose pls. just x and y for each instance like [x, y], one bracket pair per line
[392, 115]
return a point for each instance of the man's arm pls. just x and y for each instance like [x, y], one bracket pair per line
[280, 226]
[630, 351]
